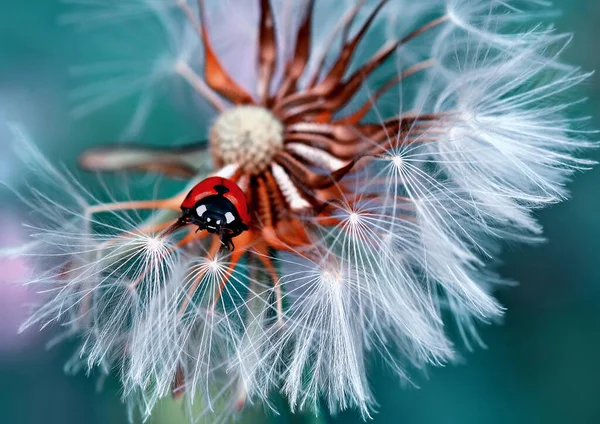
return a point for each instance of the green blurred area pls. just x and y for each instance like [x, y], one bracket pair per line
[541, 365]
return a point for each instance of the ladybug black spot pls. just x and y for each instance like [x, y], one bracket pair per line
[221, 189]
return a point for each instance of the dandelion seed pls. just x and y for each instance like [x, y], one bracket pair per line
[385, 149]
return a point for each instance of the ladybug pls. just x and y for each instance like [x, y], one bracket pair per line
[217, 205]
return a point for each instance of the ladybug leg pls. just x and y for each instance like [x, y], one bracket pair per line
[180, 223]
[226, 241]
[230, 245]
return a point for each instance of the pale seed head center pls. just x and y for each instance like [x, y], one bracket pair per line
[248, 136]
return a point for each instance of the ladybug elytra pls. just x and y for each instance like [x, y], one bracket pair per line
[218, 206]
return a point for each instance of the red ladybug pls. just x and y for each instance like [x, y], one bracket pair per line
[217, 205]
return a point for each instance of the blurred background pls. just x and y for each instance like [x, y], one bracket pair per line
[541, 365]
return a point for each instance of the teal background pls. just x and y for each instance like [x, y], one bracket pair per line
[541, 365]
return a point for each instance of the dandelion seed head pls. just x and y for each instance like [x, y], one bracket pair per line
[386, 150]
[248, 136]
